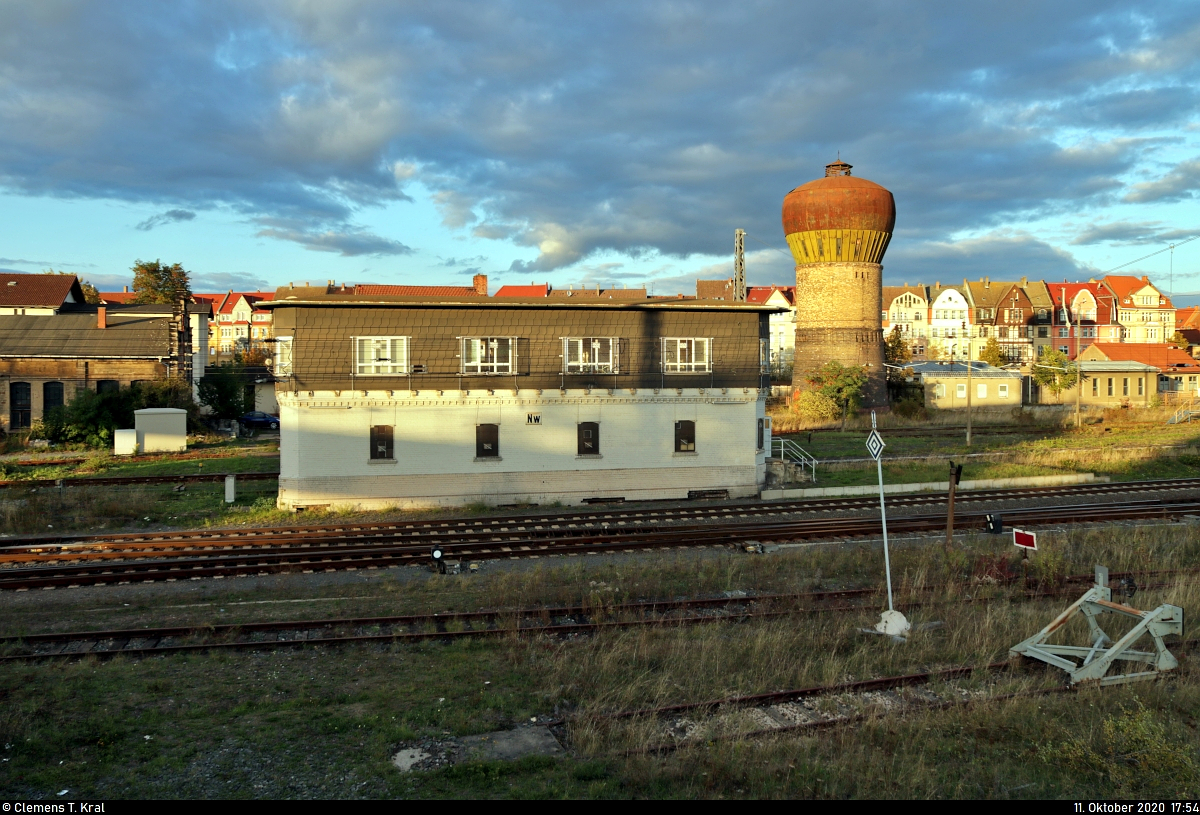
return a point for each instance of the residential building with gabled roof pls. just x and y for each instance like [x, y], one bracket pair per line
[949, 324]
[1142, 311]
[984, 296]
[1042, 309]
[1187, 323]
[1082, 315]
[907, 308]
[38, 294]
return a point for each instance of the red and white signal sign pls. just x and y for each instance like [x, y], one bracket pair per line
[1025, 540]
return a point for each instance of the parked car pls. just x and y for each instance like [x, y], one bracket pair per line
[257, 420]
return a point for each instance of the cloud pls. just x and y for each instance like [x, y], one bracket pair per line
[580, 131]
[998, 256]
[171, 216]
[224, 281]
[1129, 232]
[346, 240]
[45, 264]
[1179, 184]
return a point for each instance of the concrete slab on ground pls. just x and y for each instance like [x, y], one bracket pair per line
[509, 745]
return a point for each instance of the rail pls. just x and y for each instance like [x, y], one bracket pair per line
[790, 451]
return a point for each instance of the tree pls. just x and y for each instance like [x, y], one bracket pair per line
[1055, 372]
[223, 389]
[248, 355]
[155, 283]
[933, 353]
[90, 293]
[1179, 341]
[841, 383]
[897, 353]
[993, 354]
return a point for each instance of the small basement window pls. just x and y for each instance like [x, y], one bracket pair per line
[382, 442]
[589, 438]
[487, 441]
[685, 437]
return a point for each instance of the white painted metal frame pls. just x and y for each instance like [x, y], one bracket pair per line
[591, 355]
[685, 355]
[1095, 661]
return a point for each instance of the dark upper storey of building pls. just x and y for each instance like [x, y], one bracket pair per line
[337, 341]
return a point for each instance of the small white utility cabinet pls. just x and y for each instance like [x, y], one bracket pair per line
[125, 442]
[161, 430]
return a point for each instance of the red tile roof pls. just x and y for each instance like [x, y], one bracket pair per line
[1104, 299]
[534, 290]
[117, 298]
[1160, 355]
[38, 290]
[599, 294]
[761, 294]
[1123, 286]
[381, 290]
[1187, 318]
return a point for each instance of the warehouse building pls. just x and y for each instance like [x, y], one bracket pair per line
[419, 401]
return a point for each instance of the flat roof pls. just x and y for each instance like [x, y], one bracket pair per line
[308, 298]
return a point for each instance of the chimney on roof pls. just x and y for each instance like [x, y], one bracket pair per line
[102, 317]
[480, 283]
[127, 290]
[1024, 281]
[987, 282]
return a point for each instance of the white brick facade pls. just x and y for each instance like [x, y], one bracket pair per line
[325, 447]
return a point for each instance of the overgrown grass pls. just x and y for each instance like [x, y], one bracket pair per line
[324, 723]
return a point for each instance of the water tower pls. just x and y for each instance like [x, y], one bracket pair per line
[838, 228]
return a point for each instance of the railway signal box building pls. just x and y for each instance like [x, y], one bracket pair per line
[419, 401]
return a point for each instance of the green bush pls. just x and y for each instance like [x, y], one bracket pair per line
[1133, 755]
[90, 418]
[910, 409]
[816, 407]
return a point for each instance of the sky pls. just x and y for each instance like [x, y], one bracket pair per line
[264, 142]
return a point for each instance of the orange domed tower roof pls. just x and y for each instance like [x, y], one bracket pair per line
[839, 201]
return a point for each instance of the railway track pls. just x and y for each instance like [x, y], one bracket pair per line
[561, 621]
[96, 563]
[610, 515]
[191, 478]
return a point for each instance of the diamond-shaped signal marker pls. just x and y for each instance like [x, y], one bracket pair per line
[875, 445]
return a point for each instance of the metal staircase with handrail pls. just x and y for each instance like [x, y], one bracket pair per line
[788, 450]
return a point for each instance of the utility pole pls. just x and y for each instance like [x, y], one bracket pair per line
[739, 265]
[969, 367]
[1078, 367]
[955, 475]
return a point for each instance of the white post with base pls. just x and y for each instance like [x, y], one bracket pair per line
[892, 623]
